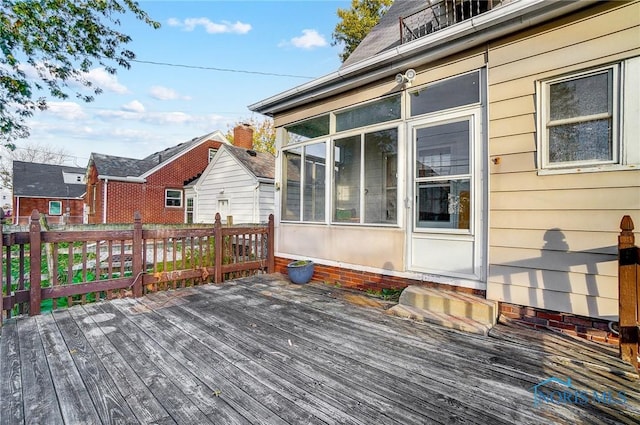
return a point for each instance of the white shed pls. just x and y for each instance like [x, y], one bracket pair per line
[238, 182]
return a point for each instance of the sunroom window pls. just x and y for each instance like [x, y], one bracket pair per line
[304, 183]
[365, 178]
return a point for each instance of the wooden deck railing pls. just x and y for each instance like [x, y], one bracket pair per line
[46, 270]
[628, 292]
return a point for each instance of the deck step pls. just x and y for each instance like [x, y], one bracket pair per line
[454, 310]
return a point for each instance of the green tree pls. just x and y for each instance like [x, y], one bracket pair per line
[264, 134]
[355, 23]
[46, 45]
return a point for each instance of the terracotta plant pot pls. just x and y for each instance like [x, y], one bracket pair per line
[300, 271]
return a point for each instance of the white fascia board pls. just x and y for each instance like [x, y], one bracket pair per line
[130, 179]
[476, 31]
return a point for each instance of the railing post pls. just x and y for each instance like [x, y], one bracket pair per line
[1, 280]
[35, 257]
[271, 256]
[627, 292]
[136, 261]
[218, 254]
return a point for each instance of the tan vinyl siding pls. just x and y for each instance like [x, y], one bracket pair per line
[552, 238]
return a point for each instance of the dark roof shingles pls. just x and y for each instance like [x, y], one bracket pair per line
[45, 180]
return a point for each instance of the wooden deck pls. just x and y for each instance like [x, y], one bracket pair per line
[262, 351]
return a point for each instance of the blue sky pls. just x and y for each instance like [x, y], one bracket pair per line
[151, 106]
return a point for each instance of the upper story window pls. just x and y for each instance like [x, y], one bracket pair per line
[587, 120]
[212, 153]
[172, 198]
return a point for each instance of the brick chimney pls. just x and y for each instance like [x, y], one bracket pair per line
[243, 136]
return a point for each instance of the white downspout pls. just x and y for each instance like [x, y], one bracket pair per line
[16, 213]
[104, 201]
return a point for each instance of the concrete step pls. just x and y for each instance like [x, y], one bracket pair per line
[455, 310]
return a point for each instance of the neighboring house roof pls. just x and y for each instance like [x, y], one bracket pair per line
[31, 179]
[260, 164]
[117, 166]
[383, 57]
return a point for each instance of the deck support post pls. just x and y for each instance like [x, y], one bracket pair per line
[628, 292]
[218, 254]
[136, 263]
[271, 255]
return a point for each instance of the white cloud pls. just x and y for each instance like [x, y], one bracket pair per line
[165, 93]
[156, 118]
[66, 110]
[170, 118]
[309, 40]
[133, 106]
[190, 24]
[106, 81]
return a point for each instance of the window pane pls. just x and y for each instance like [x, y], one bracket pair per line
[347, 179]
[443, 150]
[55, 208]
[308, 129]
[380, 176]
[591, 140]
[314, 178]
[173, 198]
[444, 204]
[383, 110]
[458, 91]
[584, 96]
[291, 186]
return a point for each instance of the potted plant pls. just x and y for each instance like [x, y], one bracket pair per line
[300, 271]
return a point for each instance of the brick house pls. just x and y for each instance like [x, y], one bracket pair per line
[54, 190]
[117, 187]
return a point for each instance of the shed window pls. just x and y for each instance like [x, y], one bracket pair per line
[173, 198]
[55, 208]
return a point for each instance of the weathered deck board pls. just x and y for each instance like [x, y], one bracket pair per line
[39, 395]
[10, 381]
[262, 351]
[75, 404]
[144, 405]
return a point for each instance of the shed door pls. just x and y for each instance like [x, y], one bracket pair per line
[446, 209]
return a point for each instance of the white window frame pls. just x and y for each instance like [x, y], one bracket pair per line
[545, 123]
[212, 153]
[625, 124]
[303, 166]
[166, 198]
[59, 209]
[361, 132]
